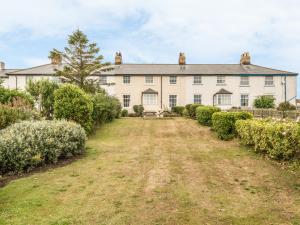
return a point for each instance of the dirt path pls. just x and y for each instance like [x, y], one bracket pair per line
[156, 172]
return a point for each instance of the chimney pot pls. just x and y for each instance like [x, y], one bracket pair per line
[2, 66]
[245, 59]
[118, 58]
[56, 59]
[181, 60]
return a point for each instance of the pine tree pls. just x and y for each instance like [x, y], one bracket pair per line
[81, 58]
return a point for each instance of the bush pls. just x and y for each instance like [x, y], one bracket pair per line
[72, 103]
[28, 144]
[223, 123]
[138, 109]
[264, 102]
[105, 108]
[124, 113]
[178, 110]
[286, 106]
[204, 114]
[10, 115]
[185, 113]
[8, 97]
[43, 92]
[192, 110]
[279, 140]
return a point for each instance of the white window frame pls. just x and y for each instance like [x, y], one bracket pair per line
[197, 79]
[269, 81]
[244, 81]
[244, 98]
[221, 79]
[223, 99]
[172, 79]
[197, 99]
[126, 100]
[126, 79]
[149, 99]
[149, 79]
[172, 101]
[103, 80]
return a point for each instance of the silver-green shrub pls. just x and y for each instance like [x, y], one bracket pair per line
[28, 144]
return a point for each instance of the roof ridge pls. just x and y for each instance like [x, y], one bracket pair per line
[30, 68]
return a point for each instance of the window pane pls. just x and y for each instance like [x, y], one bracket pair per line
[244, 100]
[173, 79]
[126, 79]
[244, 81]
[223, 99]
[126, 100]
[197, 79]
[220, 79]
[149, 99]
[197, 99]
[269, 81]
[149, 79]
[172, 100]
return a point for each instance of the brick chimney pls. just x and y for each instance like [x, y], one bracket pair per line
[118, 58]
[2, 66]
[56, 59]
[181, 60]
[245, 59]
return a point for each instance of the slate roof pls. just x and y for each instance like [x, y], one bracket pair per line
[3, 73]
[165, 69]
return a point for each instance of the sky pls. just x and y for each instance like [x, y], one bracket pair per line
[155, 31]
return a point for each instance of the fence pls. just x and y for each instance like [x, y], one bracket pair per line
[264, 113]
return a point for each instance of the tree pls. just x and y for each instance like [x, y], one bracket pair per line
[264, 102]
[81, 58]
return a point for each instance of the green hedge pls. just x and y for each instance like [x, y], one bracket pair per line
[72, 103]
[178, 110]
[10, 115]
[28, 144]
[279, 140]
[8, 96]
[138, 110]
[223, 123]
[204, 114]
[192, 110]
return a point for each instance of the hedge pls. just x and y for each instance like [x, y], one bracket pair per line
[8, 96]
[29, 144]
[204, 114]
[178, 110]
[223, 123]
[10, 115]
[72, 103]
[192, 110]
[138, 110]
[279, 140]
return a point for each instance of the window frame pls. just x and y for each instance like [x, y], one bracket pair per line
[221, 80]
[194, 79]
[172, 81]
[244, 99]
[197, 102]
[147, 77]
[269, 83]
[243, 82]
[219, 99]
[128, 100]
[171, 101]
[126, 78]
[148, 101]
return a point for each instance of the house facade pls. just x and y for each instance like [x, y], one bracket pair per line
[162, 86]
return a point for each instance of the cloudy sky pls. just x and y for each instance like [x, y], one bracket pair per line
[211, 31]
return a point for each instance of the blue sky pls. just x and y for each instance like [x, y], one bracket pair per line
[155, 31]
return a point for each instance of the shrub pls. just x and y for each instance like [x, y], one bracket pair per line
[28, 144]
[10, 115]
[204, 114]
[43, 92]
[105, 108]
[192, 110]
[8, 96]
[72, 103]
[124, 113]
[223, 123]
[185, 113]
[138, 109]
[178, 110]
[286, 106]
[264, 102]
[279, 140]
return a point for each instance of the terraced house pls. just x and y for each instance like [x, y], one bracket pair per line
[162, 86]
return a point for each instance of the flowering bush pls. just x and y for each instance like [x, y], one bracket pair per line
[278, 139]
[28, 144]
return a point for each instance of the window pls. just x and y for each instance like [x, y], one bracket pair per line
[269, 81]
[197, 79]
[244, 100]
[223, 99]
[220, 79]
[103, 80]
[149, 79]
[173, 79]
[244, 81]
[126, 100]
[172, 100]
[149, 99]
[197, 99]
[126, 79]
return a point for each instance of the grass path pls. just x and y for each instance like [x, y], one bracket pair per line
[156, 172]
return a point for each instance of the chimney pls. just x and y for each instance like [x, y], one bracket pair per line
[181, 58]
[118, 58]
[2, 66]
[245, 59]
[56, 59]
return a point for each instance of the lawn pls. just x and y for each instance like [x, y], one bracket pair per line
[146, 172]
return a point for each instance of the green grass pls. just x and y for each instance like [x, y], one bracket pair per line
[156, 172]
